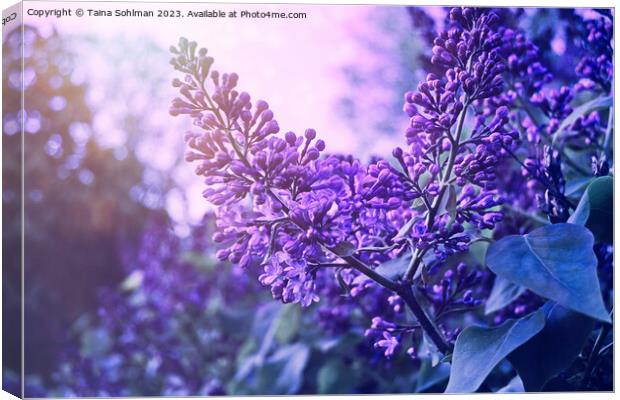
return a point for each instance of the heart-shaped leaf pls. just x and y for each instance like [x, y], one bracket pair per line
[556, 262]
[479, 349]
[430, 376]
[503, 293]
[577, 185]
[553, 349]
[514, 386]
[595, 210]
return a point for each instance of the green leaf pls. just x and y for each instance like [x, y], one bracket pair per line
[503, 293]
[576, 185]
[263, 332]
[290, 362]
[394, 269]
[428, 347]
[553, 349]
[595, 210]
[448, 203]
[334, 377]
[556, 262]
[343, 343]
[430, 376]
[289, 320]
[418, 205]
[600, 103]
[264, 317]
[479, 349]
[279, 373]
[514, 386]
[404, 230]
[478, 251]
[344, 249]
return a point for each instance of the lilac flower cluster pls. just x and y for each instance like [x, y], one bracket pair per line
[309, 212]
[537, 112]
[548, 171]
[454, 290]
[349, 300]
[596, 68]
[303, 207]
[525, 71]
[387, 335]
[153, 336]
[438, 148]
[318, 225]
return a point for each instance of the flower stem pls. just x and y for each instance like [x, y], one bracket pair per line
[406, 293]
[431, 330]
[432, 213]
[403, 290]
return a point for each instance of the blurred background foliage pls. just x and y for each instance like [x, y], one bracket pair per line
[123, 295]
[80, 204]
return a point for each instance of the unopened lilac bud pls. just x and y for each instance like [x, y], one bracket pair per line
[244, 97]
[502, 112]
[222, 254]
[312, 154]
[246, 116]
[272, 127]
[410, 109]
[310, 134]
[291, 138]
[261, 105]
[267, 115]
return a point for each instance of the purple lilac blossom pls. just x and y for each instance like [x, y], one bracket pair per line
[285, 205]
[152, 335]
[309, 211]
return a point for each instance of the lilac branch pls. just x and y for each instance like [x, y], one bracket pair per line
[430, 219]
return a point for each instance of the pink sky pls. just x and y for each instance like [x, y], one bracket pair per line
[294, 64]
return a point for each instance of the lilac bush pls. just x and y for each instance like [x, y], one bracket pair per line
[184, 323]
[152, 335]
[396, 237]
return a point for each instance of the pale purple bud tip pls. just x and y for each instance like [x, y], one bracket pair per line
[290, 138]
[310, 134]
